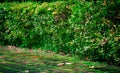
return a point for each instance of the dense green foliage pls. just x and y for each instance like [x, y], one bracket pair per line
[88, 30]
[1, 1]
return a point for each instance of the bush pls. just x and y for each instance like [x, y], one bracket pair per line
[74, 27]
[3, 14]
[28, 0]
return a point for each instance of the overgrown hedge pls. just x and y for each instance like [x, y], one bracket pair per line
[76, 28]
[1, 1]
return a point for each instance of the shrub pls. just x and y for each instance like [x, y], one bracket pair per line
[74, 27]
[27, 0]
[3, 14]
